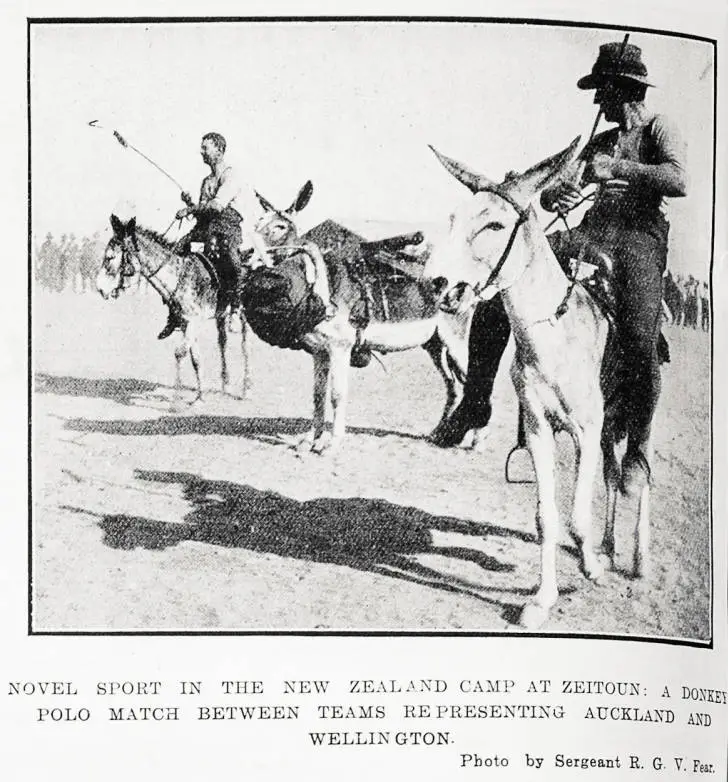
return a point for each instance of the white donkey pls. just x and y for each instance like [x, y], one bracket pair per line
[496, 244]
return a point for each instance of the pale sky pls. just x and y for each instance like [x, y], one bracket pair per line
[351, 106]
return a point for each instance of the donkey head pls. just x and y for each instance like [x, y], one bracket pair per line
[117, 265]
[483, 231]
[277, 227]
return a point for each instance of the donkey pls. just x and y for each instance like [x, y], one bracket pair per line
[443, 336]
[495, 243]
[184, 279]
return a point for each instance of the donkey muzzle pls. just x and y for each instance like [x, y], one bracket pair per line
[458, 299]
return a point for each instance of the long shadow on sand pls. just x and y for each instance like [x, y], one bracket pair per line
[125, 391]
[372, 535]
[254, 428]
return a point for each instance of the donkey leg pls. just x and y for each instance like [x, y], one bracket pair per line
[612, 476]
[321, 364]
[181, 350]
[541, 444]
[438, 353]
[587, 456]
[642, 529]
[339, 380]
[245, 353]
[194, 351]
[222, 346]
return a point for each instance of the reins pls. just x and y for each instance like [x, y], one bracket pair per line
[151, 277]
[522, 217]
[480, 287]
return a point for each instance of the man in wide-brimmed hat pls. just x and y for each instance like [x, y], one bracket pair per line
[635, 166]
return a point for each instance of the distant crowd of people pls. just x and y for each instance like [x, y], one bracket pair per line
[68, 262]
[688, 301]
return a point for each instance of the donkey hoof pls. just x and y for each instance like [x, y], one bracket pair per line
[533, 616]
[594, 570]
[478, 443]
[304, 444]
[234, 393]
[639, 570]
[606, 560]
[323, 444]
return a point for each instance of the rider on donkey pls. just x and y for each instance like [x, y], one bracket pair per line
[218, 226]
[635, 166]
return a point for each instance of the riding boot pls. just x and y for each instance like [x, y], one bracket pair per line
[174, 321]
[361, 354]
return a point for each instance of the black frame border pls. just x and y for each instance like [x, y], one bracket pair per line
[133, 20]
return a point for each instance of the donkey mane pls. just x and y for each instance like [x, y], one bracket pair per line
[157, 238]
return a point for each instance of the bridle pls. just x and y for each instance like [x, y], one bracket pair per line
[480, 287]
[129, 254]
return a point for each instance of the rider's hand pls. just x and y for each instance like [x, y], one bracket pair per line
[564, 197]
[602, 167]
[187, 198]
[182, 213]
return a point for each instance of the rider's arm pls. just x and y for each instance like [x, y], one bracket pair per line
[667, 174]
[566, 192]
[227, 192]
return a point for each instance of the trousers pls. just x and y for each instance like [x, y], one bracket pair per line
[639, 254]
[222, 237]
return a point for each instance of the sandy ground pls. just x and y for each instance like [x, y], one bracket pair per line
[145, 518]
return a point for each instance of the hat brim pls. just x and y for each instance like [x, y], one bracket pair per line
[592, 81]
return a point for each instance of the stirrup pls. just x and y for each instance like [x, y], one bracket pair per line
[508, 462]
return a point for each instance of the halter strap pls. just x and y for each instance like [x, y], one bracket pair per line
[522, 217]
[162, 289]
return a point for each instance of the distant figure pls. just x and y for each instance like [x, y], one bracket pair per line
[691, 302]
[705, 302]
[89, 262]
[72, 263]
[61, 265]
[673, 297]
[45, 261]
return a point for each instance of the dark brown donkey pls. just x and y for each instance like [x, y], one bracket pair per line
[367, 306]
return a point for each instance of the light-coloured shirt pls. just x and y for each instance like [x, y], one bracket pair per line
[220, 190]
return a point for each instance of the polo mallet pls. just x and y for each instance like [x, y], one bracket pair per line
[124, 143]
[521, 436]
[582, 165]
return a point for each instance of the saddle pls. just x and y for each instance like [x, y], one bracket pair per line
[393, 244]
[592, 269]
[207, 265]
[389, 285]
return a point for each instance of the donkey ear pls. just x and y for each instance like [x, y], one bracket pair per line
[264, 202]
[118, 227]
[303, 197]
[474, 182]
[544, 173]
[131, 227]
